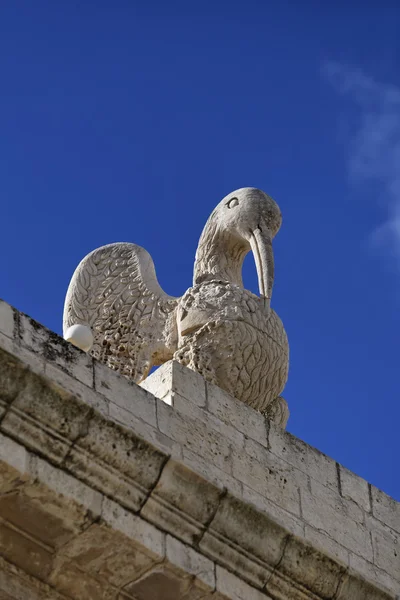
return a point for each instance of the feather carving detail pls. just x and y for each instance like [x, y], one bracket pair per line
[233, 338]
[115, 292]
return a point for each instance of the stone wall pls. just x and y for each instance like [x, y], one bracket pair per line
[237, 508]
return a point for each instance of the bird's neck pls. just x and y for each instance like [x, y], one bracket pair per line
[219, 256]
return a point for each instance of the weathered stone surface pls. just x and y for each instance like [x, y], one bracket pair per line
[386, 546]
[13, 455]
[359, 590]
[75, 583]
[235, 588]
[101, 552]
[325, 543]
[354, 488]
[55, 350]
[171, 377]
[92, 508]
[191, 562]
[65, 384]
[197, 436]
[111, 459]
[223, 332]
[182, 502]
[268, 475]
[124, 394]
[337, 519]
[6, 319]
[249, 533]
[385, 509]
[237, 414]
[373, 574]
[310, 568]
[292, 523]
[16, 584]
[159, 584]
[303, 457]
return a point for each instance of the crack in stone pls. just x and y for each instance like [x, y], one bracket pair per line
[267, 430]
[278, 564]
[370, 499]
[197, 539]
[339, 585]
[339, 480]
[83, 432]
[152, 488]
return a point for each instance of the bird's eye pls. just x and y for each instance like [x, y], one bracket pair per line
[232, 203]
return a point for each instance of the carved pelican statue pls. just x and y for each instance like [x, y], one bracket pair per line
[116, 309]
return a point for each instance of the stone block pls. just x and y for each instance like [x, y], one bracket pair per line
[55, 350]
[64, 484]
[33, 361]
[268, 475]
[6, 344]
[113, 460]
[160, 382]
[15, 584]
[213, 474]
[197, 437]
[325, 543]
[333, 516]
[13, 376]
[237, 414]
[14, 465]
[190, 561]
[236, 589]
[144, 430]
[161, 583]
[386, 545]
[174, 377]
[76, 584]
[374, 574]
[7, 322]
[385, 509]
[353, 588]
[25, 552]
[354, 488]
[310, 568]
[182, 502]
[124, 393]
[138, 530]
[255, 544]
[334, 500]
[43, 440]
[14, 455]
[300, 455]
[65, 384]
[42, 420]
[293, 524]
[188, 409]
[109, 555]
[27, 512]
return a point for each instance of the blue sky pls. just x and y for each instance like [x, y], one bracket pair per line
[128, 121]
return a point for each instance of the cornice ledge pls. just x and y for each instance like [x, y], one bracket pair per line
[134, 473]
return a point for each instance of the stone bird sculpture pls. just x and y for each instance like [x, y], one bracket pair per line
[116, 309]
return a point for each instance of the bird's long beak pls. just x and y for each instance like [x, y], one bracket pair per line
[261, 246]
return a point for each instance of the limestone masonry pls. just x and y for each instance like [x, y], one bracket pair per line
[172, 490]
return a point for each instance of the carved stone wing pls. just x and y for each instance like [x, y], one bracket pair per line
[115, 292]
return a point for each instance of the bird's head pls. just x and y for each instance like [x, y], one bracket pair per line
[248, 219]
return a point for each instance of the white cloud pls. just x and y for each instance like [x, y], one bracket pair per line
[374, 150]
